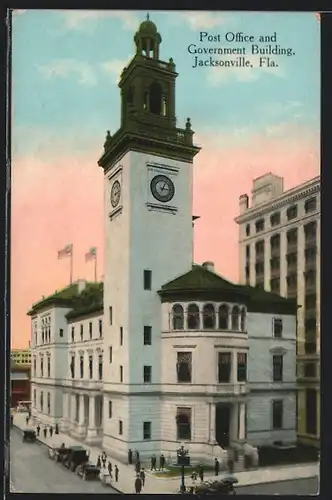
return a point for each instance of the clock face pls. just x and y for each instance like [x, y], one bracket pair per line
[115, 193]
[162, 188]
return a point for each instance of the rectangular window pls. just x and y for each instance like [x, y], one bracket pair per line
[120, 427]
[110, 409]
[121, 373]
[183, 424]
[72, 333]
[48, 403]
[100, 328]
[81, 332]
[310, 205]
[147, 374]
[292, 237]
[147, 275]
[310, 370]
[292, 212]
[311, 411]
[34, 367]
[277, 327]
[41, 367]
[277, 414]
[48, 366]
[90, 330]
[241, 367]
[277, 368]
[81, 366]
[90, 367]
[110, 315]
[100, 367]
[72, 367]
[61, 332]
[184, 366]
[248, 251]
[110, 354]
[275, 219]
[146, 430]
[260, 225]
[224, 367]
[147, 335]
[121, 335]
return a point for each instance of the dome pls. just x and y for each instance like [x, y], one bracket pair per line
[147, 28]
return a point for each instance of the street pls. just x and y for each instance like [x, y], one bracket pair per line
[31, 471]
[296, 487]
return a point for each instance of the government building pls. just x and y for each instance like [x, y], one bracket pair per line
[164, 351]
[279, 247]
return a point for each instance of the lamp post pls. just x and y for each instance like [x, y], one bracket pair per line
[183, 460]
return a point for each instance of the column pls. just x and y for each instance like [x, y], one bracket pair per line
[212, 426]
[92, 435]
[234, 423]
[72, 410]
[81, 410]
[283, 263]
[65, 411]
[242, 422]
[234, 368]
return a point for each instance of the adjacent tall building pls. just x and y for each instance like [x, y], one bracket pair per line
[279, 248]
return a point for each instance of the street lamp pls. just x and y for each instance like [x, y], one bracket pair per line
[183, 460]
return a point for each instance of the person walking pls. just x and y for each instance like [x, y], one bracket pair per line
[27, 418]
[138, 467]
[98, 462]
[109, 467]
[142, 476]
[116, 473]
[51, 431]
[161, 462]
[56, 428]
[103, 459]
[138, 485]
[201, 473]
[38, 430]
[194, 477]
[153, 462]
[216, 467]
[45, 432]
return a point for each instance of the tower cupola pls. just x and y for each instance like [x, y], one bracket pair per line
[147, 39]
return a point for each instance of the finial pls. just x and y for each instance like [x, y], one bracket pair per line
[188, 124]
[147, 16]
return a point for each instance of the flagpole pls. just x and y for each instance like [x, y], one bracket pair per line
[71, 265]
[96, 266]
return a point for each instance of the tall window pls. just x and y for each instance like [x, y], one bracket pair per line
[241, 367]
[248, 230]
[48, 366]
[243, 319]
[183, 424]
[147, 279]
[90, 330]
[42, 366]
[277, 327]
[310, 205]
[311, 411]
[147, 374]
[121, 373]
[81, 366]
[292, 212]
[224, 367]
[72, 333]
[81, 331]
[100, 328]
[146, 430]
[61, 332]
[120, 427]
[223, 317]
[260, 225]
[72, 366]
[277, 368]
[110, 354]
[42, 401]
[275, 219]
[48, 403]
[193, 317]
[178, 317]
[155, 98]
[184, 366]
[235, 318]
[110, 315]
[90, 366]
[277, 414]
[110, 409]
[209, 317]
[147, 335]
[100, 367]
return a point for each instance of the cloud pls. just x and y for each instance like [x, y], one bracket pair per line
[115, 67]
[64, 68]
[82, 19]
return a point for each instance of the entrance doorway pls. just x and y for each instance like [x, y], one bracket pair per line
[223, 420]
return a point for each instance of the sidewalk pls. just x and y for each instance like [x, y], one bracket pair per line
[169, 485]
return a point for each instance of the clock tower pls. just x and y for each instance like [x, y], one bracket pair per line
[148, 178]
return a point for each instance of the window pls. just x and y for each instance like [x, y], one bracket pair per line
[42, 401]
[110, 354]
[184, 362]
[72, 367]
[248, 230]
[120, 427]
[121, 335]
[110, 409]
[310, 231]
[223, 317]
[310, 370]
[277, 414]
[183, 424]
[241, 367]
[178, 317]
[277, 327]
[90, 330]
[48, 366]
[277, 368]
[48, 403]
[260, 225]
[291, 259]
[81, 332]
[311, 411]
[275, 285]
[100, 367]
[147, 374]
[275, 219]
[275, 263]
[259, 247]
[34, 397]
[81, 366]
[34, 366]
[310, 205]
[147, 335]
[193, 317]
[90, 366]
[110, 314]
[72, 333]
[41, 366]
[147, 279]
[310, 301]
[292, 237]
[243, 319]
[224, 367]
[100, 328]
[209, 317]
[248, 251]
[61, 332]
[146, 430]
[121, 373]
[235, 318]
[292, 212]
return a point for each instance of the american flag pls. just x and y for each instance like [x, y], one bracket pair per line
[91, 254]
[65, 252]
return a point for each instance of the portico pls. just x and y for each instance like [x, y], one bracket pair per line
[83, 415]
[227, 423]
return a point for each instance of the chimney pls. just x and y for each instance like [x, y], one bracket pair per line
[209, 266]
[244, 203]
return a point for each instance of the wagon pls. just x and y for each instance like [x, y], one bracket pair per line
[29, 436]
[88, 471]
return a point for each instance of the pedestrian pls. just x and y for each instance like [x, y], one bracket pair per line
[138, 467]
[51, 431]
[38, 430]
[98, 462]
[216, 467]
[130, 457]
[201, 473]
[138, 485]
[142, 476]
[109, 467]
[194, 477]
[27, 418]
[103, 459]
[153, 462]
[45, 432]
[161, 462]
[56, 428]
[116, 473]
[137, 456]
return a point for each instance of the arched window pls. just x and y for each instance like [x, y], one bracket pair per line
[223, 317]
[164, 106]
[209, 316]
[193, 317]
[243, 319]
[177, 315]
[235, 318]
[155, 98]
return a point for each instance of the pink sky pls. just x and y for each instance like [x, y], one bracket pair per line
[60, 201]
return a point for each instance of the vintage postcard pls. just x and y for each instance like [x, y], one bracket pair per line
[165, 252]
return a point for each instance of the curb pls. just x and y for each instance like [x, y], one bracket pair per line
[275, 482]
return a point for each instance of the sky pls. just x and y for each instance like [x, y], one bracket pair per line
[248, 121]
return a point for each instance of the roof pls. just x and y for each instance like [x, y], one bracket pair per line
[61, 298]
[89, 301]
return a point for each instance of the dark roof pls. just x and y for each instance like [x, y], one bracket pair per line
[89, 301]
[61, 298]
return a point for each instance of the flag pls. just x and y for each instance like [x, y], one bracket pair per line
[91, 254]
[65, 251]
